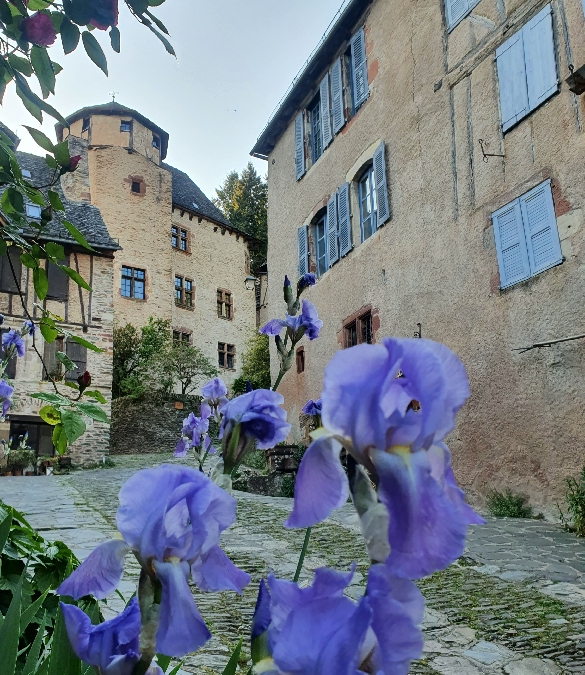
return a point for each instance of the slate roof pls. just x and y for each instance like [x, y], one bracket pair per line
[114, 108]
[86, 218]
[188, 195]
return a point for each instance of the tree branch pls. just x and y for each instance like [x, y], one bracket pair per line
[549, 343]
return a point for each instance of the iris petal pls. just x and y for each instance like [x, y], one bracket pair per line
[99, 573]
[321, 485]
[214, 571]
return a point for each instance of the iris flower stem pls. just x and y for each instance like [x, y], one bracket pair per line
[278, 379]
[303, 554]
[149, 591]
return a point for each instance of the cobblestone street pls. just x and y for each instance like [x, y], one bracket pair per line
[514, 604]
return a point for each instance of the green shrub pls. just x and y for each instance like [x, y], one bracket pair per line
[288, 486]
[508, 505]
[574, 521]
[256, 460]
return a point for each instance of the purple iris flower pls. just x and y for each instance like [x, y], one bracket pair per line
[6, 392]
[194, 429]
[312, 407]
[391, 406]
[28, 328]
[305, 281]
[319, 631]
[171, 518]
[12, 341]
[307, 322]
[214, 395]
[111, 647]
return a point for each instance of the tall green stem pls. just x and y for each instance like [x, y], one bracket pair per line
[149, 596]
[278, 379]
[303, 554]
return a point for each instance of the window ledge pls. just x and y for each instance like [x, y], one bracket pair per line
[126, 297]
[224, 318]
[180, 250]
[182, 306]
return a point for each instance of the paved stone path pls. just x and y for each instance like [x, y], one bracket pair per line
[514, 604]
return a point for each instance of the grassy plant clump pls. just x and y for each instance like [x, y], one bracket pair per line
[508, 505]
[574, 521]
[256, 460]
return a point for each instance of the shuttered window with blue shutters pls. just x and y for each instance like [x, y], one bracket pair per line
[456, 10]
[321, 252]
[326, 133]
[526, 235]
[381, 185]
[303, 250]
[343, 220]
[299, 146]
[359, 68]
[527, 69]
[332, 231]
[337, 110]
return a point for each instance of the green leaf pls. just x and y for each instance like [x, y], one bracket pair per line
[26, 92]
[5, 13]
[50, 415]
[5, 529]
[50, 162]
[35, 5]
[33, 109]
[66, 361]
[85, 343]
[73, 425]
[55, 250]
[77, 278]
[158, 22]
[48, 331]
[95, 394]
[20, 6]
[115, 39]
[63, 660]
[28, 615]
[51, 398]
[176, 669]
[40, 282]
[76, 234]
[139, 6]
[94, 51]
[163, 661]
[232, 664]
[162, 38]
[12, 201]
[92, 411]
[69, 36]
[59, 439]
[62, 155]
[28, 261]
[9, 633]
[35, 650]
[40, 139]
[43, 68]
[21, 65]
[3, 247]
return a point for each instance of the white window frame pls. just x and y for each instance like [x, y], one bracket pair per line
[472, 4]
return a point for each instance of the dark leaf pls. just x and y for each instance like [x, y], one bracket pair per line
[66, 361]
[139, 6]
[40, 139]
[5, 13]
[63, 660]
[73, 425]
[55, 250]
[28, 261]
[51, 163]
[33, 109]
[79, 11]
[48, 331]
[26, 91]
[43, 68]
[5, 529]
[69, 36]
[3, 247]
[75, 276]
[29, 613]
[35, 650]
[94, 51]
[158, 22]
[51, 398]
[115, 38]
[20, 64]
[41, 283]
[95, 394]
[13, 201]
[76, 234]
[162, 38]
[85, 343]
[62, 153]
[232, 664]
[9, 633]
[93, 412]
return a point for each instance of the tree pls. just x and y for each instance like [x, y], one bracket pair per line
[255, 365]
[179, 363]
[243, 199]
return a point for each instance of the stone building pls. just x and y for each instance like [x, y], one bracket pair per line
[87, 314]
[181, 259]
[427, 165]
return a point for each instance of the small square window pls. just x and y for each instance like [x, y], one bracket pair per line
[125, 126]
[358, 331]
[33, 210]
[136, 186]
[26, 173]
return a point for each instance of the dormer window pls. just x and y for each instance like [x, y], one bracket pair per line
[126, 126]
[26, 173]
[33, 210]
[156, 142]
[85, 124]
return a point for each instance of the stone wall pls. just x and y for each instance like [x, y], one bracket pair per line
[145, 426]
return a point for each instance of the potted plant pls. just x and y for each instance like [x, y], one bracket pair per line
[21, 457]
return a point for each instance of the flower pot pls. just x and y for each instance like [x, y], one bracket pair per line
[29, 473]
[7, 473]
[17, 472]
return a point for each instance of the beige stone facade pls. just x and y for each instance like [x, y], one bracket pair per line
[168, 230]
[435, 90]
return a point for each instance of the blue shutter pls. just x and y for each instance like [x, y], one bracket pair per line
[381, 186]
[455, 10]
[332, 240]
[299, 146]
[512, 80]
[337, 110]
[359, 68]
[343, 219]
[510, 244]
[326, 133]
[539, 54]
[540, 228]
[303, 250]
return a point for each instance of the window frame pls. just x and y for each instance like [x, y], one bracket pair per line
[225, 304]
[369, 175]
[35, 208]
[85, 124]
[320, 220]
[300, 360]
[358, 326]
[133, 280]
[186, 291]
[472, 4]
[181, 336]
[7, 282]
[156, 141]
[128, 123]
[225, 351]
[179, 239]
[315, 128]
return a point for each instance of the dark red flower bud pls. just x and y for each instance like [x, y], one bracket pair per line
[73, 162]
[104, 13]
[84, 381]
[38, 29]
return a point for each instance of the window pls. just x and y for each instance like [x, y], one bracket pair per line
[78, 354]
[527, 240]
[7, 281]
[39, 434]
[320, 233]
[300, 360]
[85, 124]
[156, 142]
[358, 331]
[183, 292]
[225, 309]
[226, 355]
[53, 367]
[126, 125]
[527, 70]
[181, 336]
[33, 210]
[133, 283]
[368, 204]
[26, 173]
[316, 136]
[10, 371]
[58, 281]
[456, 10]
[136, 186]
[179, 238]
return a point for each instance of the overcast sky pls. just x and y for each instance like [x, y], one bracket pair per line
[235, 60]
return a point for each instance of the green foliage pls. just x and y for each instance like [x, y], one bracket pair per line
[243, 199]
[180, 364]
[255, 460]
[508, 505]
[574, 521]
[255, 365]
[288, 486]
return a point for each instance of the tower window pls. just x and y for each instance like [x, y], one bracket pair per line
[85, 124]
[156, 142]
[136, 186]
[179, 238]
[183, 292]
[125, 126]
